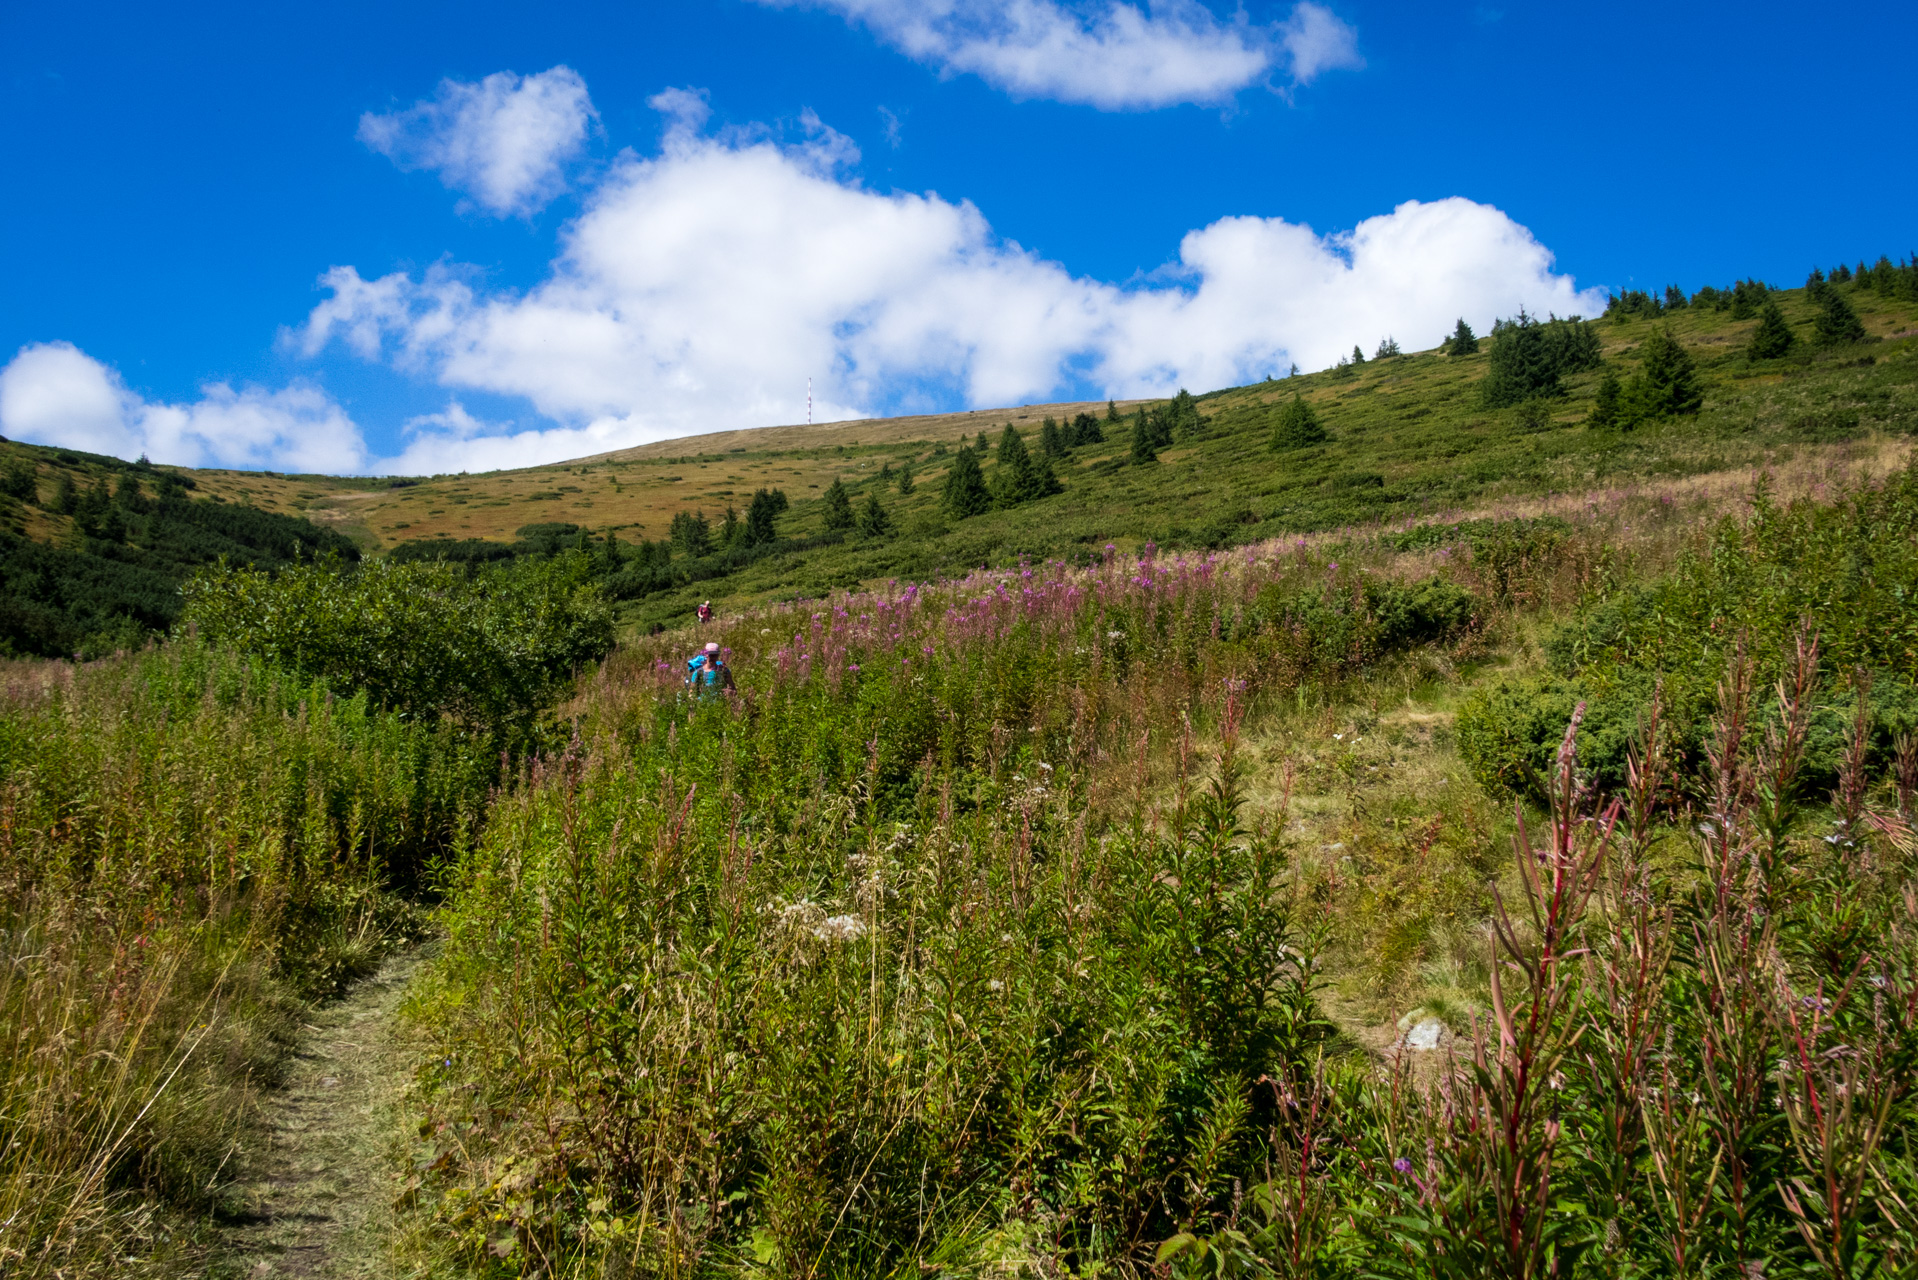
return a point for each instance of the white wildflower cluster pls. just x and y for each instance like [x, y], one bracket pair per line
[840, 929]
[804, 920]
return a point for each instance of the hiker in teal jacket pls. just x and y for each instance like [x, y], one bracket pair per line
[707, 672]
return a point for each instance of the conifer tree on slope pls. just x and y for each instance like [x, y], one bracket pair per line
[1298, 426]
[1052, 442]
[1605, 408]
[905, 480]
[1463, 341]
[1836, 322]
[761, 513]
[1773, 336]
[873, 520]
[965, 493]
[838, 507]
[1667, 382]
[1020, 477]
[1143, 448]
[1182, 416]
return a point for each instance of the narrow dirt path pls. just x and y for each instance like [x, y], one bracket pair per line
[318, 1194]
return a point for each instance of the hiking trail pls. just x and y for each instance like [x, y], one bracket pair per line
[317, 1193]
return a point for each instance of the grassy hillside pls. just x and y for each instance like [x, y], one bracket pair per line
[1410, 438]
[1318, 892]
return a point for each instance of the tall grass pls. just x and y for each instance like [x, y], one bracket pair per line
[945, 946]
[190, 846]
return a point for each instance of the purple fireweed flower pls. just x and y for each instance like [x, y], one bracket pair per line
[1402, 1165]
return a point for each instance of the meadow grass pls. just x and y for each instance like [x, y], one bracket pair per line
[191, 847]
[1057, 921]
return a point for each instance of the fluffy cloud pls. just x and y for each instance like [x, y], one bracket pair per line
[1112, 55]
[1315, 40]
[505, 141]
[54, 393]
[700, 289]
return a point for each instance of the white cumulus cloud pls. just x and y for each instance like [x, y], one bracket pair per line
[505, 141]
[1106, 53]
[53, 393]
[700, 288]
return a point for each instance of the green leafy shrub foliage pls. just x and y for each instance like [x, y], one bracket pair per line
[1836, 567]
[423, 640]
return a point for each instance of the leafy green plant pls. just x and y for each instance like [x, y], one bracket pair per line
[424, 640]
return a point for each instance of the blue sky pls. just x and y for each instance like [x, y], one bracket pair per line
[549, 233]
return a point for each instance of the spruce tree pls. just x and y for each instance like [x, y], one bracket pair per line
[1388, 347]
[1463, 341]
[1358, 356]
[1052, 441]
[1017, 478]
[692, 534]
[611, 554]
[1159, 418]
[1674, 298]
[1297, 427]
[730, 530]
[1837, 322]
[1522, 363]
[1182, 416]
[965, 493]
[1605, 407]
[1747, 297]
[837, 506]
[65, 497]
[761, 514]
[873, 520]
[1112, 411]
[1048, 481]
[905, 480]
[1143, 449]
[1667, 382]
[1773, 336]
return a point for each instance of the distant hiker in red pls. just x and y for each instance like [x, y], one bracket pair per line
[705, 612]
[707, 672]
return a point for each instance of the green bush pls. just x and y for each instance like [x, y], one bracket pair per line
[488, 648]
[1509, 733]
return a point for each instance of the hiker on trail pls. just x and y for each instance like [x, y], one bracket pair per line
[707, 672]
[705, 612]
